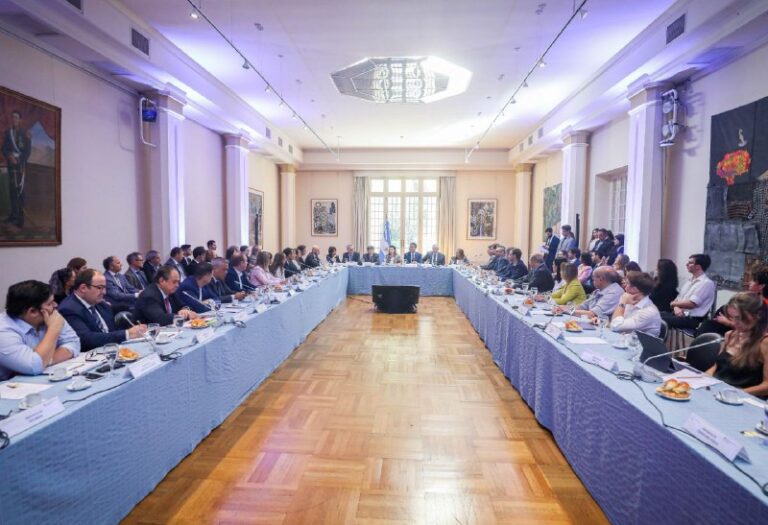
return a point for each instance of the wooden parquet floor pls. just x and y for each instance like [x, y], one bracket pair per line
[378, 419]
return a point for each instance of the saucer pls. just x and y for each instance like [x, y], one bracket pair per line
[85, 386]
[52, 379]
[620, 346]
[760, 427]
[720, 398]
[23, 405]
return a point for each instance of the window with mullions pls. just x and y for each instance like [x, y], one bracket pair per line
[410, 205]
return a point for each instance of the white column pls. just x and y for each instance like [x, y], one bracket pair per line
[236, 168]
[642, 236]
[166, 172]
[523, 175]
[575, 179]
[288, 205]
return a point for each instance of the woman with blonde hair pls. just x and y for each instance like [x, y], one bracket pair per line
[260, 274]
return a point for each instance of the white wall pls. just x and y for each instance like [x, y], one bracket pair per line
[101, 187]
[546, 173]
[324, 185]
[203, 185]
[608, 151]
[263, 175]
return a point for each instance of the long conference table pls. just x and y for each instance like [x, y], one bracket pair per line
[116, 441]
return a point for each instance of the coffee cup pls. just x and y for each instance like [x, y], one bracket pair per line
[729, 395]
[32, 400]
[79, 383]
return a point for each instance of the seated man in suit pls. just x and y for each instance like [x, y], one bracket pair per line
[434, 257]
[539, 276]
[492, 255]
[186, 257]
[151, 264]
[237, 278]
[195, 290]
[412, 256]
[370, 256]
[175, 261]
[515, 268]
[313, 257]
[135, 273]
[92, 318]
[218, 286]
[291, 266]
[500, 261]
[121, 295]
[33, 335]
[301, 253]
[350, 255]
[158, 304]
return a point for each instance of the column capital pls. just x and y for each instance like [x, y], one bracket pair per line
[234, 140]
[571, 137]
[171, 99]
[524, 168]
[287, 168]
[644, 91]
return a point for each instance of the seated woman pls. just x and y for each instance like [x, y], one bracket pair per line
[720, 322]
[332, 258]
[459, 258]
[666, 285]
[556, 267]
[392, 256]
[572, 292]
[277, 267]
[620, 264]
[636, 311]
[61, 283]
[260, 275]
[743, 358]
[585, 268]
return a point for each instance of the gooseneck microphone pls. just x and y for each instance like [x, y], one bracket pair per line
[642, 372]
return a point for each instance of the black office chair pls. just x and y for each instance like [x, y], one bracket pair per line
[124, 320]
[663, 329]
[704, 357]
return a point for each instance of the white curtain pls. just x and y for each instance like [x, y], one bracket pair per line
[360, 213]
[446, 229]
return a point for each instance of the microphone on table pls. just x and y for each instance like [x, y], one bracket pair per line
[643, 373]
[239, 324]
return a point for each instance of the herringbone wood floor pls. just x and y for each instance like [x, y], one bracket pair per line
[378, 419]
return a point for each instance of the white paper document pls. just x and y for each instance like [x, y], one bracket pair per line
[17, 390]
[692, 378]
[585, 340]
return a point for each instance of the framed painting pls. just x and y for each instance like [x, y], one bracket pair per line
[552, 207]
[482, 219]
[30, 171]
[325, 213]
[255, 217]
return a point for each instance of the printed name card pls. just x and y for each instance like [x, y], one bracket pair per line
[242, 315]
[22, 421]
[144, 365]
[710, 435]
[204, 335]
[553, 331]
[525, 310]
[261, 308]
[601, 361]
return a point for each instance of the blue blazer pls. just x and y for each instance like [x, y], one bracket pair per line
[355, 257]
[501, 265]
[552, 246]
[234, 284]
[514, 271]
[407, 257]
[189, 285]
[439, 259]
[120, 292]
[86, 326]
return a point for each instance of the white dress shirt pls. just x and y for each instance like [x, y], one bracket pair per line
[640, 317]
[701, 292]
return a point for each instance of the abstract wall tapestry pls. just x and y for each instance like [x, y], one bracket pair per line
[30, 171]
[482, 219]
[736, 231]
[552, 207]
[325, 217]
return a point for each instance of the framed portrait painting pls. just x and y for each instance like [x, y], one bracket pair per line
[255, 217]
[30, 171]
[482, 219]
[325, 213]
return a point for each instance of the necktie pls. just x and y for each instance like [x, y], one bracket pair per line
[167, 305]
[99, 322]
[142, 280]
[119, 284]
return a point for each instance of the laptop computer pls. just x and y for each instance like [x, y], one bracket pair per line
[653, 346]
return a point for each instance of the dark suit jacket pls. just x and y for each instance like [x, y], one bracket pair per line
[439, 258]
[178, 266]
[603, 248]
[552, 245]
[332, 260]
[149, 271]
[541, 279]
[501, 265]
[221, 290]
[312, 260]
[234, 284]
[355, 257]
[371, 258]
[291, 268]
[120, 293]
[491, 263]
[135, 279]
[514, 271]
[190, 286]
[86, 326]
[407, 257]
[188, 264]
[150, 307]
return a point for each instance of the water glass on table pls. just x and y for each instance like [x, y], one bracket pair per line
[111, 351]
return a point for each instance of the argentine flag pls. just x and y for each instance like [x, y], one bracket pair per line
[386, 240]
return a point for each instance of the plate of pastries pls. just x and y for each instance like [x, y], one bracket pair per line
[198, 324]
[126, 355]
[572, 326]
[674, 390]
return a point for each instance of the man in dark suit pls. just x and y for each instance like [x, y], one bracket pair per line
[301, 253]
[603, 245]
[186, 258]
[539, 276]
[350, 255]
[549, 248]
[151, 264]
[175, 261]
[198, 257]
[194, 289]
[370, 256]
[90, 317]
[493, 259]
[412, 256]
[500, 263]
[516, 268]
[218, 286]
[158, 304]
[237, 279]
[291, 267]
[135, 274]
[313, 258]
[121, 294]
[434, 257]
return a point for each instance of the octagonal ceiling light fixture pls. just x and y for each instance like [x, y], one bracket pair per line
[402, 80]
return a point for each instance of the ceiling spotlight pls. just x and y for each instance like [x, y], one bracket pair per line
[513, 101]
[306, 128]
[194, 15]
[583, 13]
[281, 103]
[542, 63]
[525, 83]
[267, 90]
[246, 65]
[293, 116]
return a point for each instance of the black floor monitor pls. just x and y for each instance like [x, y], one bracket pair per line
[395, 299]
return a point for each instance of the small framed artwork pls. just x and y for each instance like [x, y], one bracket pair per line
[482, 219]
[30, 171]
[255, 217]
[325, 213]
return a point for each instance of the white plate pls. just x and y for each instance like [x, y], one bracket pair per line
[620, 346]
[760, 427]
[58, 379]
[738, 401]
[86, 386]
[661, 394]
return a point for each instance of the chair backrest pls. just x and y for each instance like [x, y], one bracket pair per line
[124, 320]
[703, 357]
[663, 330]
[713, 309]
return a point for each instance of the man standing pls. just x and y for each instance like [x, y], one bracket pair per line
[412, 256]
[17, 146]
[434, 257]
[696, 296]
[549, 248]
[186, 258]
[568, 241]
[350, 255]
[151, 264]
[211, 253]
[121, 295]
[135, 274]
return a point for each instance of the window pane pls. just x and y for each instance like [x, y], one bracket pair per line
[395, 219]
[412, 186]
[430, 185]
[429, 222]
[375, 220]
[411, 220]
[377, 185]
[394, 185]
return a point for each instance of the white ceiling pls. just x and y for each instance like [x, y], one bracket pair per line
[488, 37]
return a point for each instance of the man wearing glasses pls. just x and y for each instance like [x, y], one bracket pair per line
[91, 317]
[696, 296]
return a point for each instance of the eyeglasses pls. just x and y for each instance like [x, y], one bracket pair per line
[98, 287]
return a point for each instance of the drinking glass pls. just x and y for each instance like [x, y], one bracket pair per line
[634, 346]
[534, 292]
[110, 351]
[601, 324]
[525, 288]
[178, 321]
[152, 330]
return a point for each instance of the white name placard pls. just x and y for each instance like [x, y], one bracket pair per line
[261, 308]
[204, 334]
[525, 310]
[242, 315]
[22, 421]
[144, 365]
[710, 435]
[601, 361]
[553, 331]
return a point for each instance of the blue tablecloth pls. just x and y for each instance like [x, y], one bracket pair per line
[635, 468]
[94, 462]
[432, 280]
